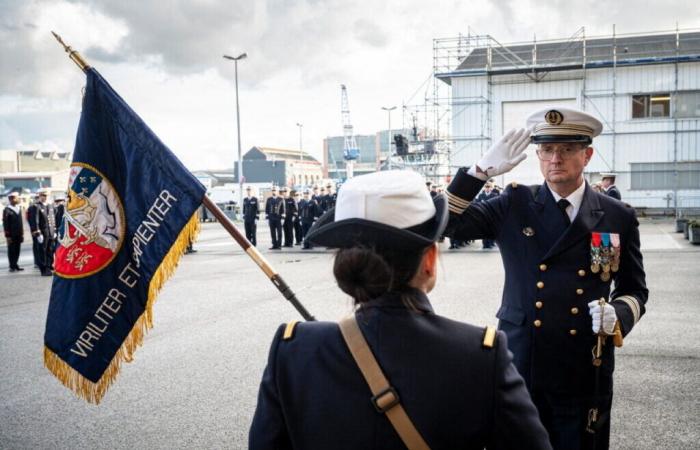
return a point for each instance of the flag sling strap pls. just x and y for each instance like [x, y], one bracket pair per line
[384, 396]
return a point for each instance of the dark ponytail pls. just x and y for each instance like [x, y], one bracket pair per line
[365, 273]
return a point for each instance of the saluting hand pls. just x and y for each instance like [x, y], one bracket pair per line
[505, 154]
[604, 317]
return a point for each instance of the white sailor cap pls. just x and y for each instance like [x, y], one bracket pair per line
[608, 174]
[563, 125]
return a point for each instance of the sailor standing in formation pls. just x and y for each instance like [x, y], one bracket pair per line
[308, 212]
[42, 224]
[290, 213]
[14, 230]
[251, 213]
[563, 246]
[608, 186]
[274, 211]
[298, 232]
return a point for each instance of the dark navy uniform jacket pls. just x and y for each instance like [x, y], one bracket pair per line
[308, 211]
[613, 192]
[274, 208]
[41, 218]
[548, 279]
[459, 394]
[290, 208]
[12, 224]
[250, 209]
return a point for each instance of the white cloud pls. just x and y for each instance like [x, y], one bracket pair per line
[165, 59]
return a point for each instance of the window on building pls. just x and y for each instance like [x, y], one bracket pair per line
[687, 104]
[663, 175]
[651, 105]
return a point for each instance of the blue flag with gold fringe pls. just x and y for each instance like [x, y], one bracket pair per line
[130, 215]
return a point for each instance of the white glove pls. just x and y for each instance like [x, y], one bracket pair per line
[602, 316]
[504, 155]
[40, 238]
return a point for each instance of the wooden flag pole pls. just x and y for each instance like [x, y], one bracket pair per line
[245, 244]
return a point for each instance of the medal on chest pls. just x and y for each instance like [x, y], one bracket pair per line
[605, 254]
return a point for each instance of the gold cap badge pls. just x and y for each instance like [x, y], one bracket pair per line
[554, 117]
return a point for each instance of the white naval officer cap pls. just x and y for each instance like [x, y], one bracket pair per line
[563, 125]
[388, 209]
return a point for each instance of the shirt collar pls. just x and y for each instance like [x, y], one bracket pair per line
[575, 198]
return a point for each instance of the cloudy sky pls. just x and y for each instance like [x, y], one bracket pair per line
[165, 59]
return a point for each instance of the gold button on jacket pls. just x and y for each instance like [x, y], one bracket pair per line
[537, 323]
[540, 284]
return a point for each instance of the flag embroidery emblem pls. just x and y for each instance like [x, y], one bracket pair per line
[92, 231]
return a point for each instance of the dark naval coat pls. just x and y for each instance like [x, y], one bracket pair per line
[458, 393]
[548, 278]
[613, 192]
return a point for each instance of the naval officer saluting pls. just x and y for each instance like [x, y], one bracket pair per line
[563, 245]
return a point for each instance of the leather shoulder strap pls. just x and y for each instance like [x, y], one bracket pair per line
[385, 399]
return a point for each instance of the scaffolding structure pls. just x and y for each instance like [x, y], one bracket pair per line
[535, 61]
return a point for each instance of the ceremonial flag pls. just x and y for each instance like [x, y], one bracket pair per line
[130, 215]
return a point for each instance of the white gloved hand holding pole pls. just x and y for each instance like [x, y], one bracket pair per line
[503, 156]
[603, 317]
[40, 238]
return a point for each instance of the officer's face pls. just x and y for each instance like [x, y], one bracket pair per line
[607, 182]
[14, 200]
[274, 193]
[567, 161]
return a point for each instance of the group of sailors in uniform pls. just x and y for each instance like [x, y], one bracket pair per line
[396, 375]
[290, 214]
[44, 220]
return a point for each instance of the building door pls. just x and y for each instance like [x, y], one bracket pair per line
[514, 115]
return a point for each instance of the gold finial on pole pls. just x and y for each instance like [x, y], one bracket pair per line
[73, 54]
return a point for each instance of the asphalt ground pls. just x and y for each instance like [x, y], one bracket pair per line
[194, 382]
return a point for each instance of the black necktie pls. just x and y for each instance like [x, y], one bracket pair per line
[563, 204]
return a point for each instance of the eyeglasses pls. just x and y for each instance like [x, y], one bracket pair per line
[564, 151]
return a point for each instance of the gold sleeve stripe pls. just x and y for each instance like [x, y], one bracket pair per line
[456, 204]
[633, 304]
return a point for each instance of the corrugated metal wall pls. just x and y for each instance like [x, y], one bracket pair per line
[635, 140]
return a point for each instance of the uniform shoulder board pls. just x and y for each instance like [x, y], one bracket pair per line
[489, 337]
[289, 330]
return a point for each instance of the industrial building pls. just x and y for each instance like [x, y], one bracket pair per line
[29, 170]
[645, 88]
[281, 167]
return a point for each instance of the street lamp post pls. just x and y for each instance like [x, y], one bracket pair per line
[238, 126]
[388, 111]
[301, 153]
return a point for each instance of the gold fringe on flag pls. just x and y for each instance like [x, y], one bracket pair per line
[93, 392]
